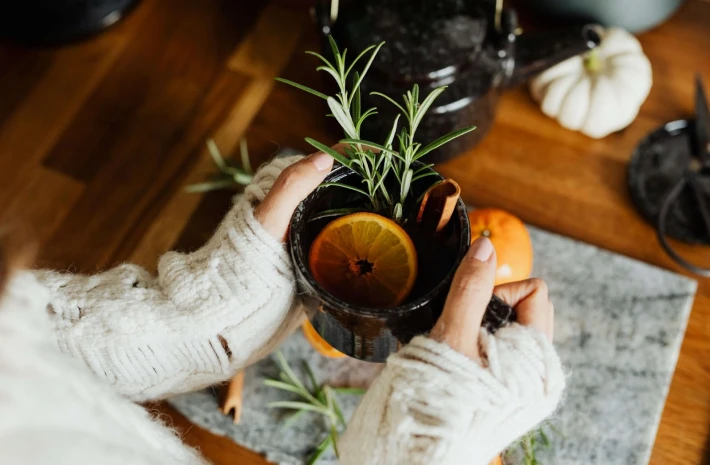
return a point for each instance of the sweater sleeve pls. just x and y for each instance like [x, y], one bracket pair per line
[204, 316]
[432, 404]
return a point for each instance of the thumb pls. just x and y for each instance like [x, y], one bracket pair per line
[292, 186]
[468, 298]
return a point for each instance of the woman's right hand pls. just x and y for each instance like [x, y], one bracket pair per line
[429, 405]
[460, 322]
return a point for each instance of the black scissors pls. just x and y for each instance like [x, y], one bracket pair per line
[696, 178]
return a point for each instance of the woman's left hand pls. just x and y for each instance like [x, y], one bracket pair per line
[291, 187]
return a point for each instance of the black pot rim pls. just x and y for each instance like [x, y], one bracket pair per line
[300, 262]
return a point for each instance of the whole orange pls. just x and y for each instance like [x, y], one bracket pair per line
[510, 238]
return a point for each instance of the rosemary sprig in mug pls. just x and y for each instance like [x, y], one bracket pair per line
[360, 155]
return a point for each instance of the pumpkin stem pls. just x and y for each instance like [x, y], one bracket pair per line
[592, 61]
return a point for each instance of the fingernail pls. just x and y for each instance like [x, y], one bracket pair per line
[321, 160]
[482, 249]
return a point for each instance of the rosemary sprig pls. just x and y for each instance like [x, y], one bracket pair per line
[231, 176]
[317, 398]
[531, 443]
[374, 162]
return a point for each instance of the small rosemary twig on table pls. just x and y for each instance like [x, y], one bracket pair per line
[318, 398]
[231, 176]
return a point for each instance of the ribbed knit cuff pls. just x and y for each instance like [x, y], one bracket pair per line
[432, 404]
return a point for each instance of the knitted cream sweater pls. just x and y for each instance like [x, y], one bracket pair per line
[76, 350]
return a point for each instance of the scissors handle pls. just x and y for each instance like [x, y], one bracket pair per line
[663, 217]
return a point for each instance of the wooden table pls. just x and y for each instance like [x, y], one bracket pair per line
[98, 140]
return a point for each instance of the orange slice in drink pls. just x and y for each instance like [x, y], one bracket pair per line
[365, 259]
[318, 343]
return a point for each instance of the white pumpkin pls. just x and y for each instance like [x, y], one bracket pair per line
[599, 92]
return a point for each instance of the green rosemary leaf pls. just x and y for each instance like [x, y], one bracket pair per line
[321, 57]
[397, 175]
[406, 184]
[284, 386]
[333, 73]
[294, 405]
[336, 407]
[356, 101]
[292, 418]
[543, 436]
[347, 72]
[242, 179]
[391, 101]
[328, 398]
[383, 191]
[368, 144]
[320, 450]
[421, 197]
[397, 212]
[333, 47]
[288, 371]
[209, 186]
[423, 168]
[334, 440]
[244, 153]
[443, 140]
[424, 107]
[346, 186]
[349, 390]
[342, 63]
[423, 175]
[302, 87]
[356, 164]
[370, 112]
[367, 66]
[311, 376]
[415, 94]
[393, 132]
[342, 117]
[217, 156]
[336, 212]
[329, 151]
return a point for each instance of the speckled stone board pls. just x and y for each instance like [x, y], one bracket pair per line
[619, 324]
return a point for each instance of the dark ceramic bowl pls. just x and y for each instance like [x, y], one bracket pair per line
[372, 334]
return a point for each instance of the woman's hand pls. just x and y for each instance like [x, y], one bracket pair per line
[292, 186]
[460, 321]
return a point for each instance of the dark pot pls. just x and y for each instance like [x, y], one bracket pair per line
[372, 334]
[449, 43]
[55, 22]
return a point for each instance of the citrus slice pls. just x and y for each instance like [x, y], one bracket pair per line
[318, 343]
[365, 259]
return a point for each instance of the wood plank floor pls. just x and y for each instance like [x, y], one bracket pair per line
[98, 140]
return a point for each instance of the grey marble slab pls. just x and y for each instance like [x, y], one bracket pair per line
[618, 328]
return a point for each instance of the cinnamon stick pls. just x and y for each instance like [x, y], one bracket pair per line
[233, 397]
[438, 205]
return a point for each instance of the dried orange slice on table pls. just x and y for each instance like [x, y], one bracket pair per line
[365, 259]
